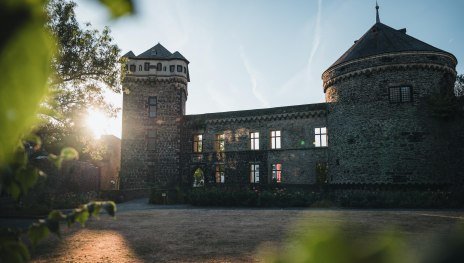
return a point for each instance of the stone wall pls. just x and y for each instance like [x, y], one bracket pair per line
[298, 155]
[375, 141]
[158, 166]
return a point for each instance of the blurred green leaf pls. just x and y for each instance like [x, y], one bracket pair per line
[81, 216]
[38, 231]
[27, 177]
[119, 8]
[14, 252]
[20, 96]
[69, 153]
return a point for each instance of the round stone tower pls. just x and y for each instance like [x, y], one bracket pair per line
[379, 121]
[154, 96]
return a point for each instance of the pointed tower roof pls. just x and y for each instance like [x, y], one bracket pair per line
[129, 54]
[156, 52]
[381, 39]
[161, 53]
[178, 55]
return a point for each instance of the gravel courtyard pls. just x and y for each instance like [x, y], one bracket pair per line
[145, 233]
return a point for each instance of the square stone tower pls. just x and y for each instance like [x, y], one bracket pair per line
[154, 96]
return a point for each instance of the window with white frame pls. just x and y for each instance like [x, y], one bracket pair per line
[220, 174]
[254, 173]
[275, 140]
[219, 142]
[254, 140]
[320, 137]
[276, 172]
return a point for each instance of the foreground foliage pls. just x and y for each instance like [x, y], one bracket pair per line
[331, 243]
[27, 55]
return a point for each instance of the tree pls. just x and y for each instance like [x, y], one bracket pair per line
[84, 66]
[27, 56]
[459, 86]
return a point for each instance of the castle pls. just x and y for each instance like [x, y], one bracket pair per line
[375, 126]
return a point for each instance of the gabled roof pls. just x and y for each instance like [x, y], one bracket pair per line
[160, 52]
[129, 54]
[156, 52]
[380, 39]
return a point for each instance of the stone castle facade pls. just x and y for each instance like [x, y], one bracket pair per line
[375, 126]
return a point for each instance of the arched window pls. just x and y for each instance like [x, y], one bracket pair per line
[159, 67]
[198, 178]
[140, 67]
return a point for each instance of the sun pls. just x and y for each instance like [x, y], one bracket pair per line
[98, 123]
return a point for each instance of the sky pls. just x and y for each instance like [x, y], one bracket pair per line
[249, 54]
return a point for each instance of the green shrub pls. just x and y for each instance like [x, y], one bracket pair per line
[353, 198]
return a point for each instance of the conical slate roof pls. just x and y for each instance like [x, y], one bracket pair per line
[156, 52]
[160, 52]
[129, 54]
[380, 39]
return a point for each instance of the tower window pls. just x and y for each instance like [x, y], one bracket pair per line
[179, 68]
[152, 103]
[400, 94]
[185, 70]
[220, 174]
[254, 173]
[320, 137]
[147, 66]
[159, 66]
[164, 68]
[140, 67]
[151, 142]
[219, 142]
[277, 172]
[171, 68]
[254, 140]
[198, 143]
[275, 140]
[132, 68]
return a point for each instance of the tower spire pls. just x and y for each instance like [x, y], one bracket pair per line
[377, 18]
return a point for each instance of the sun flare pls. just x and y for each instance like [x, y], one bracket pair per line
[100, 124]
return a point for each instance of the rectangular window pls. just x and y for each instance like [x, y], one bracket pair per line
[171, 68]
[151, 141]
[275, 140]
[147, 66]
[132, 68]
[198, 143]
[400, 94]
[277, 173]
[254, 140]
[179, 68]
[219, 142]
[152, 103]
[220, 174]
[254, 173]
[320, 137]
[185, 70]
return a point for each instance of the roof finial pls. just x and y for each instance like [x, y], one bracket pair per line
[377, 18]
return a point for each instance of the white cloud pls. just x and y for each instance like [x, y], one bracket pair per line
[253, 79]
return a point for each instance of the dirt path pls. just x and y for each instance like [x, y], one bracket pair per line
[144, 233]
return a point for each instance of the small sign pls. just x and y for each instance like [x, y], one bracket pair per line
[163, 194]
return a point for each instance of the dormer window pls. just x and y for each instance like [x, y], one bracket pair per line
[153, 52]
[400, 94]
